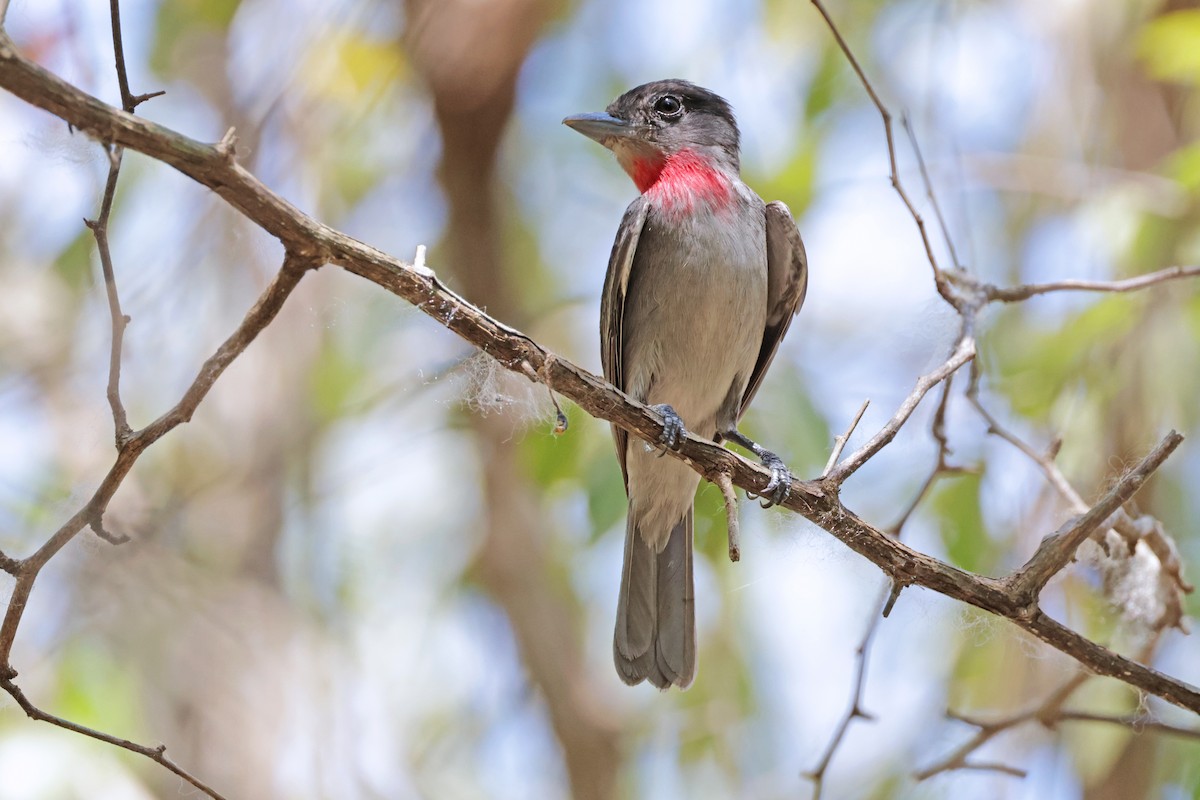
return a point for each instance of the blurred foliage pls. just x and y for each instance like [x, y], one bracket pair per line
[1170, 46]
[299, 616]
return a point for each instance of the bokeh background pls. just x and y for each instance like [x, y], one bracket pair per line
[367, 569]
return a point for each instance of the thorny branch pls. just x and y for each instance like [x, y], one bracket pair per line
[967, 296]
[310, 243]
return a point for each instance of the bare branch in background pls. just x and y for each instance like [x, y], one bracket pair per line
[964, 351]
[854, 710]
[967, 295]
[939, 276]
[27, 570]
[961, 757]
[1016, 294]
[157, 753]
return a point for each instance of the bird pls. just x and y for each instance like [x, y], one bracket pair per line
[703, 281]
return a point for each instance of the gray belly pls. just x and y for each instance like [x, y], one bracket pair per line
[694, 316]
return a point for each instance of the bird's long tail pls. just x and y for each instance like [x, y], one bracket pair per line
[655, 638]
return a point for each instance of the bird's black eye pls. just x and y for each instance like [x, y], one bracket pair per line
[668, 106]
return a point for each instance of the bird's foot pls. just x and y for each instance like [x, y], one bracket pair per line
[780, 485]
[673, 430]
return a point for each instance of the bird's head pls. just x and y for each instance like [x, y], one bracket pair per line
[662, 123]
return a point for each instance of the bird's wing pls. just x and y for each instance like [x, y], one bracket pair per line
[612, 307]
[787, 282]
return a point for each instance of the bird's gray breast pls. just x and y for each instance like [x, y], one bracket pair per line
[696, 308]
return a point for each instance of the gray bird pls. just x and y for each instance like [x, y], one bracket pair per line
[703, 281]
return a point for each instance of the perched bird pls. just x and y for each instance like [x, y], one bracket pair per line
[703, 281]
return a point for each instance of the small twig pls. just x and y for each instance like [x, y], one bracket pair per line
[1016, 294]
[157, 753]
[854, 710]
[722, 480]
[1136, 723]
[99, 228]
[1045, 461]
[964, 351]
[9, 565]
[839, 442]
[940, 467]
[929, 193]
[939, 277]
[1057, 550]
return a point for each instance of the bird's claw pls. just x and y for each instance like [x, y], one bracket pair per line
[673, 431]
[780, 486]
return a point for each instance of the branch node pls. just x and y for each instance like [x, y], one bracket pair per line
[839, 442]
[898, 585]
[97, 526]
[227, 147]
[141, 98]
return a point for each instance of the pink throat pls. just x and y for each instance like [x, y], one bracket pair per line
[682, 180]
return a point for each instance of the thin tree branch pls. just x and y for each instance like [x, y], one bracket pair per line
[731, 515]
[27, 570]
[157, 753]
[303, 235]
[99, 228]
[939, 277]
[854, 710]
[929, 193]
[1135, 722]
[839, 442]
[1058, 549]
[941, 468]
[964, 351]
[1016, 294]
[960, 758]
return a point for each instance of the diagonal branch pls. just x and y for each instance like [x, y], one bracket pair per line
[939, 276]
[27, 570]
[158, 753]
[1057, 550]
[310, 239]
[964, 351]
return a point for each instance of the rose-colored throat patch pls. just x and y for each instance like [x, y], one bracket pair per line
[681, 181]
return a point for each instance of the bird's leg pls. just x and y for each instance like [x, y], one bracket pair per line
[672, 426]
[780, 485]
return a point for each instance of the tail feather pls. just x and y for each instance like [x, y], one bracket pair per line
[655, 637]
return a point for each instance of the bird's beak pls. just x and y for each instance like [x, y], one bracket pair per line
[603, 128]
